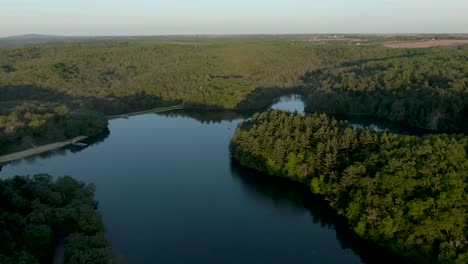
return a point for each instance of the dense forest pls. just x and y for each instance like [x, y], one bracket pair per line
[216, 73]
[426, 88]
[30, 124]
[36, 211]
[406, 193]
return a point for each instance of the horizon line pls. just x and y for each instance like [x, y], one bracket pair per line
[238, 34]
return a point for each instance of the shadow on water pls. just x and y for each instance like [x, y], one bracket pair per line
[91, 141]
[264, 97]
[382, 125]
[282, 191]
[294, 103]
[206, 116]
[290, 102]
[96, 140]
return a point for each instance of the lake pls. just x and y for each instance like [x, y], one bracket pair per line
[170, 193]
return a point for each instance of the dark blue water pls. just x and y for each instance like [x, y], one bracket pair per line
[294, 103]
[169, 193]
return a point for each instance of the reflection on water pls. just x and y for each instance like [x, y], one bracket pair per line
[292, 103]
[169, 193]
[295, 198]
[380, 125]
[371, 127]
[208, 116]
[67, 150]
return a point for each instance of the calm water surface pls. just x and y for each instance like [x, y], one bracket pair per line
[169, 193]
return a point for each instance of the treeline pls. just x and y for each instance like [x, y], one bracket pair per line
[425, 88]
[31, 124]
[35, 212]
[421, 87]
[406, 193]
[215, 73]
[115, 77]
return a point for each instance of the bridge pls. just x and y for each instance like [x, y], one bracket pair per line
[154, 110]
[76, 141]
[39, 150]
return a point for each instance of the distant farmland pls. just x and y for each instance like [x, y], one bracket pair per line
[427, 44]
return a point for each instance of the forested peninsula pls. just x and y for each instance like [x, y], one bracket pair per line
[28, 125]
[406, 193]
[37, 212]
[426, 88]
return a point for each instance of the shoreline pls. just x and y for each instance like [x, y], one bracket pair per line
[58, 145]
[39, 150]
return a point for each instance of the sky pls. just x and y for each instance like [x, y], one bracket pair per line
[175, 17]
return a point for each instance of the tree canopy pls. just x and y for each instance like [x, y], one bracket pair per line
[406, 193]
[33, 123]
[426, 88]
[35, 211]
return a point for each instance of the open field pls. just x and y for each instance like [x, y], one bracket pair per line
[427, 44]
[339, 38]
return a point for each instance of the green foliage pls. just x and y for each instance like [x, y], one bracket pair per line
[36, 123]
[89, 249]
[35, 211]
[406, 193]
[61, 110]
[212, 72]
[39, 237]
[426, 89]
[215, 74]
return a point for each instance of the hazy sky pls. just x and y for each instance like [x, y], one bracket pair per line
[156, 17]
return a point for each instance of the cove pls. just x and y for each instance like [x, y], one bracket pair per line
[170, 193]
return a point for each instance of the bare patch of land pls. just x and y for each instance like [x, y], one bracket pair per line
[427, 44]
[338, 38]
